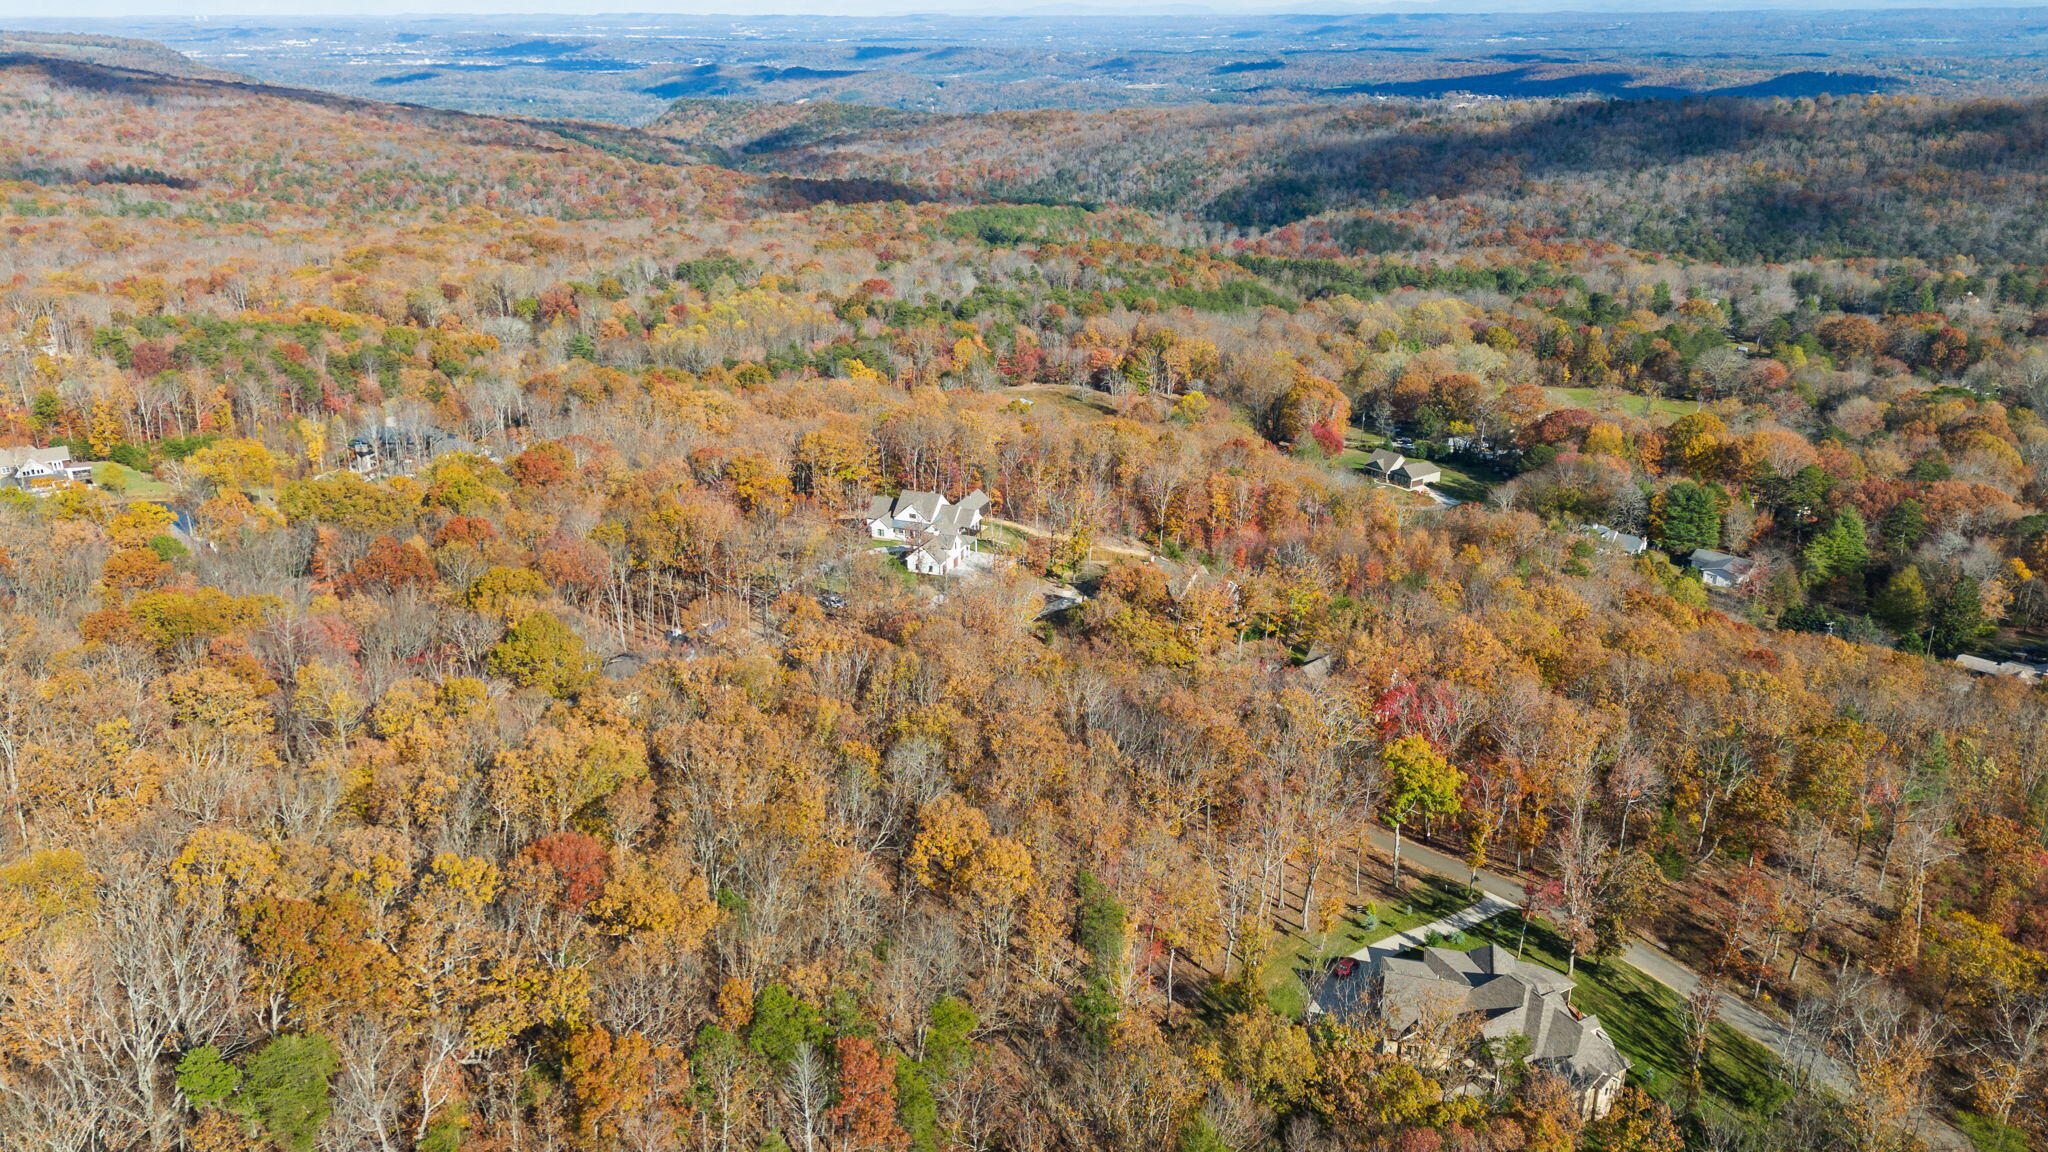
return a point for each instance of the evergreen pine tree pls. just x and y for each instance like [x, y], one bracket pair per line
[1688, 518]
[1839, 553]
[284, 1087]
[1902, 529]
[1902, 606]
[1958, 618]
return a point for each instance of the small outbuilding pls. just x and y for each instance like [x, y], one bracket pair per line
[1627, 543]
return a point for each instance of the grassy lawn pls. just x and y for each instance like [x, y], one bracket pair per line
[121, 480]
[1645, 1020]
[999, 538]
[1467, 482]
[1596, 399]
[1428, 898]
[1087, 403]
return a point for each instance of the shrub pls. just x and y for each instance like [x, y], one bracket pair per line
[206, 1077]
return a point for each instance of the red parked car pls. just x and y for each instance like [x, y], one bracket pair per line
[1344, 966]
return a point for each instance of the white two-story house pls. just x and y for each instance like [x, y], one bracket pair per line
[941, 532]
[35, 469]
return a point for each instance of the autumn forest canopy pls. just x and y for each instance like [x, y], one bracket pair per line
[462, 688]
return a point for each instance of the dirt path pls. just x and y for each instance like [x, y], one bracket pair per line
[1112, 548]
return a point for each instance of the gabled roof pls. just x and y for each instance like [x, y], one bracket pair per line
[940, 546]
[1384, 460]
[1510, 996]
[1706, 559]
[925, 504]
[930, 508]
[1623, 540]
[957, 517]
[14, 458]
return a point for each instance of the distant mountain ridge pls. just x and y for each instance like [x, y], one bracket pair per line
[1756, 174]
[626, 70]
[113, 52]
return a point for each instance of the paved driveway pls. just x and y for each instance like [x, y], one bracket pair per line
[1344, 995]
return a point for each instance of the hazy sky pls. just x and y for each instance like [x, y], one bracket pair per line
[34, 9]
[47, 10]
[39, 9]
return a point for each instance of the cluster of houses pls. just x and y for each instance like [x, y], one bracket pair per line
[1507, 997]
[941, 533]
[1718, 570]
[39, 469]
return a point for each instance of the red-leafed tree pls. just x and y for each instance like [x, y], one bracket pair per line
[542, 466]
[865, 1114]
[389, 566]
[474, 531]
[579, 864]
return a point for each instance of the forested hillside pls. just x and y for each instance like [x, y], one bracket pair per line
[1726, 180]
[466, 711]
[110, 51]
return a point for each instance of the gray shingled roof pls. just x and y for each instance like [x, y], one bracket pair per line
[956, 517]
[931, 507]
[13, 458]
[1511, 996]
[1706, 559]
[1625, 541]
[926, 504]
[942, 522]
[1384, 460]
[938, 545]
